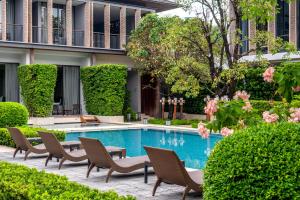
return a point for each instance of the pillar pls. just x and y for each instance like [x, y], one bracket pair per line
[30, 21]
[3, 19]
[272, 28]
[25, 21]
[69, 29]
[293, 22]
[107, 26]
[137, 16]
[122, 27]
[87, 24]
[252, 34]
[50, 21]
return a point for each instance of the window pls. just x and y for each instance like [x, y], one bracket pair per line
[282, 20]
[260, 26]
[244, 36]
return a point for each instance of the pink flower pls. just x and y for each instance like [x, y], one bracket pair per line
[270, 118]
[203, 131]
[247, 106]
[296, 88]
[211, 107]
[268, 74]
[241, 95]
[226, 131]
[295, 115]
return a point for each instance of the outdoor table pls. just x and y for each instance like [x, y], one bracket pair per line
[146, 172]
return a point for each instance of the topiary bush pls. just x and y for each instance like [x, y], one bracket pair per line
[260, 162]
[37, 83]
[29, 132]
[20, 182]
[104, 89]
[12, 114]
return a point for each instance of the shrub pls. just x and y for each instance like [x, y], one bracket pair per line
[37, 83]
[260, 162]
[29, 132]
[20, 182]
[12, 114]
[104, 89]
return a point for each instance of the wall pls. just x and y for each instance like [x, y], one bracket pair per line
[134, 87]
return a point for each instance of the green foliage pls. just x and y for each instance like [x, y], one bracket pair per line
[20, 182]
[29, 132]
[37, 83]
[104, 89]
[253, 83]
[261, 105]
[175, 122]
[12, 114]
[260, 162]
[288, 77]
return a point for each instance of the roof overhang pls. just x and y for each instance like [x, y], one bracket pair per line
[273, 58]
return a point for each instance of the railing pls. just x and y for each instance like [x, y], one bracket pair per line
[59, 36]
[39, 34]
[78, 38]
[115, 41]
[14, 32]
[98, 39]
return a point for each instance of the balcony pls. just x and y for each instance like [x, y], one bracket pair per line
[98, 40]
[14, 32]
[39, 34]
[59, 36]
[78, 38]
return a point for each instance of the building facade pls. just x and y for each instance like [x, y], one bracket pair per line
[286, 25]
[71, 34]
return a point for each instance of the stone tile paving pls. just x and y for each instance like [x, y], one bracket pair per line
[123, 184]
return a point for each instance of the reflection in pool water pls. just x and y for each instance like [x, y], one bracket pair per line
[190, 147]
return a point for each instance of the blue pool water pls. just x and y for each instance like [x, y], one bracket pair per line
[190, 147]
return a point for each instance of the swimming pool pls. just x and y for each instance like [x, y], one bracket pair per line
[190, 147]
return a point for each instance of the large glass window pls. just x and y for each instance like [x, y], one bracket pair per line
[59, 24]
[282, 20]
[244, 36]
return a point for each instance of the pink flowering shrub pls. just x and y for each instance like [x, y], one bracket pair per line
[295, 115]
[203, 131]
[270, 118]
[241, 95]
[247, 107]
[226, 131]
[211, 107]
[268, 74]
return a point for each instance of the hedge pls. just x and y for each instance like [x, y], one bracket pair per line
[12, 114]
[20, 182]
[104, 89]
[29, 132]
[260, 162]
[37, 83]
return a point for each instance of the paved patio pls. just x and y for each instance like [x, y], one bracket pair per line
[125, 185]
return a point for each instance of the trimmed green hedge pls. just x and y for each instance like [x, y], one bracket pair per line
[104, 89]
[20, 182]
[37, 83]
[29, 132]
[260, 162]
[261, 105]
[13, 114]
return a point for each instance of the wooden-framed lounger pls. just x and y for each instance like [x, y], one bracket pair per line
[89, 119]
[100, 157]
[169, 169]
[56, 150]
[22, 143]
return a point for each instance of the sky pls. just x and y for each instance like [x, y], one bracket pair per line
[177, 12]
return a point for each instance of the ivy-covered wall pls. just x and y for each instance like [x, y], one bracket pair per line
[37, 83]
[104, 88]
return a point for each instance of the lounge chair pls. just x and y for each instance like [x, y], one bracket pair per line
[89, 119]
[22, 144]
[169, 169]
[56, 150]
[99, 157]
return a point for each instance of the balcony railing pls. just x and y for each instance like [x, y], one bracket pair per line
[59, 36]
[39, 34]
[14, 32]
[78, 38]
[115, 41]
[98, 39]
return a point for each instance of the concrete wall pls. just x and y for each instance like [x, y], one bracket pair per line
[114, 59]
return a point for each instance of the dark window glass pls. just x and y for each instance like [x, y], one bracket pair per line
[282, 20]
[244, 36]
[260, 26]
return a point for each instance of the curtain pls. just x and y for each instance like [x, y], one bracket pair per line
[71, 89]
[11, 83]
